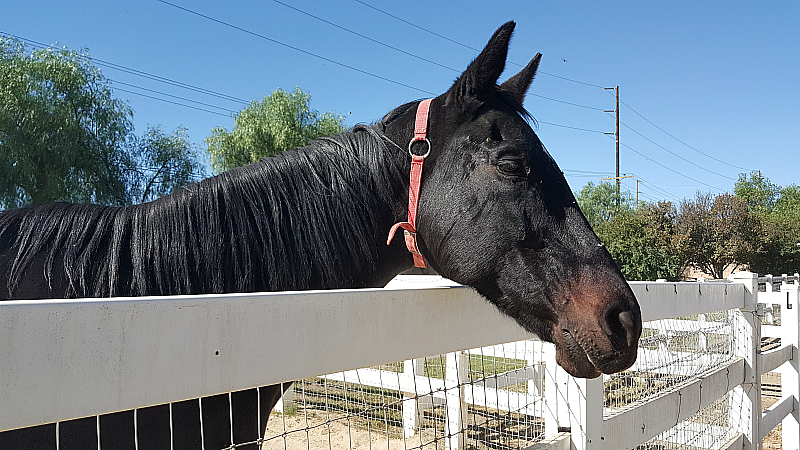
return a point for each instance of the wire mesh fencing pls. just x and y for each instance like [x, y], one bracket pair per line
[493, 397]
[674, 352]
[671, 352]
[486, 398]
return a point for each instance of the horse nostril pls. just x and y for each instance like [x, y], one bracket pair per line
[622, 326]
[626, 320]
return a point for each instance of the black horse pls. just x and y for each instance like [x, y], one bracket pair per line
[495, 213]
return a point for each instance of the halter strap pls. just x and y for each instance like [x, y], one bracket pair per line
[410, 227]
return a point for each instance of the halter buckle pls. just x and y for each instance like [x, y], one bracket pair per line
[411, 242]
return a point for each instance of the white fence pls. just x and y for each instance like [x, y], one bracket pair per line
[61, 360]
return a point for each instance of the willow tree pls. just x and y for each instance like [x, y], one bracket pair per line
[281, 121]
[61, 131]
[64, 137]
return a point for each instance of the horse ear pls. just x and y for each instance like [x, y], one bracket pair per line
[481, 76]
[518, 84]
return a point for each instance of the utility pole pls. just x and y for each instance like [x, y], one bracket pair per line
[619, 178]
[616, 135]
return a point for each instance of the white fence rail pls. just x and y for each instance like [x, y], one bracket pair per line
[61, 360]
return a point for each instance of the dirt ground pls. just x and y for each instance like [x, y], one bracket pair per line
[337, 435]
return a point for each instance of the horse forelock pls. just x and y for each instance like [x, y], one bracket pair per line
[305, 219]
[511, 101]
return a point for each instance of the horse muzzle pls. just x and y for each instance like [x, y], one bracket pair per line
[598, 333]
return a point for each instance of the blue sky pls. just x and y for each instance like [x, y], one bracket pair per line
[708, 89]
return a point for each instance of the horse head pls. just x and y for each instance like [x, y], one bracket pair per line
[496, 213]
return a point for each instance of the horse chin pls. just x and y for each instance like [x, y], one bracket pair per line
[584, 360]
[572, 357]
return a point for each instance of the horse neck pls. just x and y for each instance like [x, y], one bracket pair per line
[318, 217]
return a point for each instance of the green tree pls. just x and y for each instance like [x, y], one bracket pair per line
[599, 202]
[281, 121]
[718, 233]
[788, 204]
[759, 193]
[779, 211]
[164, 163]
[63, 137]
[782, 232]
[643, 243]
[60, 129]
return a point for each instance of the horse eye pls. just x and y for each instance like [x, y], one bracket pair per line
[509, 167]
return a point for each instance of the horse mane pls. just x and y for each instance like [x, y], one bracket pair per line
[304, 219]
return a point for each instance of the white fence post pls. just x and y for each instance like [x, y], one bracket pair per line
[745, 415]
[585, 398]
[533, 358]
[702, 338]
[556, 404]
[574, 403]
[412, 413]
[286, 402]
[456, 374]
[790, 372]
[768, 283]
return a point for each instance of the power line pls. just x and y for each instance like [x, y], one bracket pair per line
[583, 106]
[139, 73]
[172, 96]
[416, 26]
[571, 128]
[631, 189]
[588, 172]
[171, 82]
[677, 155]
[36, 44]
[562, 78]
[668, 196]
[657, 192]
[196, 88]
[671, 170]
[407, 53]
[231, 98]
[657, 189]
[682, 142]
[573, 175]
[673, 187]
[274, 41]
[367, 37]
[568, 103]
[412, 54]
[464, 45]
[174, 103]
[242, 101]
[346, 65]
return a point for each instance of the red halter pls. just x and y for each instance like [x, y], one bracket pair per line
[410, 227]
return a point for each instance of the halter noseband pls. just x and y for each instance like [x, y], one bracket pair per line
[410, 227]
